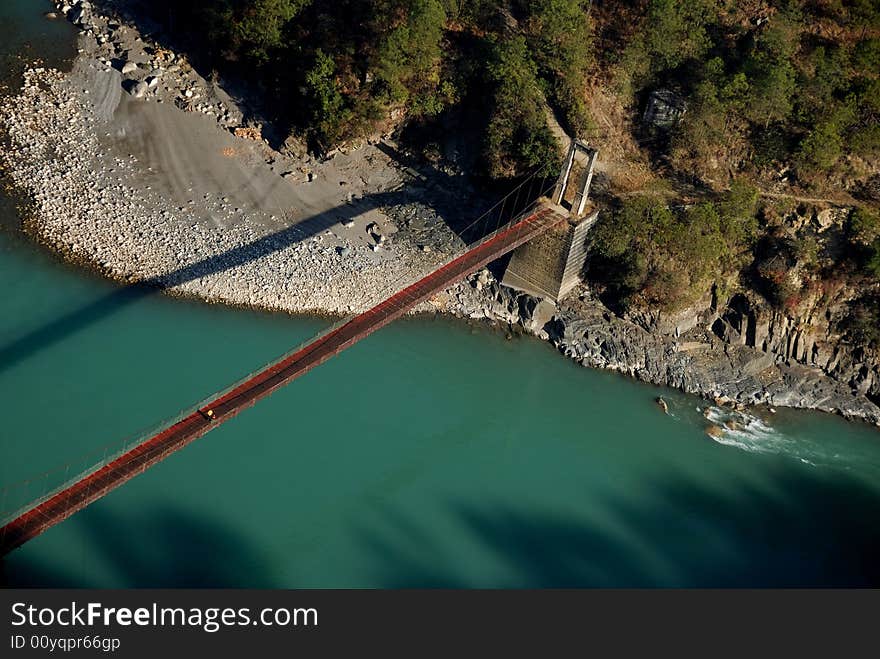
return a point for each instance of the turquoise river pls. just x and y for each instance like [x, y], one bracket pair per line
[432, 454]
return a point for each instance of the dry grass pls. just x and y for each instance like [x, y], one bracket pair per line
[621, 160]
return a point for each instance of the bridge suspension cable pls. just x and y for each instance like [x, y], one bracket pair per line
[525, 189]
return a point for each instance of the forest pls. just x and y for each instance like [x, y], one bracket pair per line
[771, 91]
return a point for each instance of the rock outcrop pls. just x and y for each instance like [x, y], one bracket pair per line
[809, 339]
[91, 204]
[741, 355]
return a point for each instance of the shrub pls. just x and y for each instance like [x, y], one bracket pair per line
[327, 104]
[863, 226]
[407, 61]
[862, 322]
[872, 267]
[252, 27]
[774, 267]
[558, 32]
[820, 150]
[649, 253]
[866, 55]
[517, 135]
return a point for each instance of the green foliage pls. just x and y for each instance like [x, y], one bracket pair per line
[679, 30]
[863, 232]
[801, 90]
[774, 267]
[771, 145]
[868, 97]
[471, 13]
[674, 32]
[872, 266]
[864, 14]
[737, 210]
[771, 73]
[652, 254]
[253, 27]
[337, 69]
[823, 82]
[558, 32]
[407, 61]
[821, 149]
[866, 55]
[863, 226]
[774, 94]
[702, 129]
[807, 251]
[824, 145]
[328, 111]
[865, 140]
[517, 136]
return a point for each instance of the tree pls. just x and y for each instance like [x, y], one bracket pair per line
[673, 32]
[678, 30]
[824, 144]
[863, 226]
[770, 71]
[872, 267]
[737, 208]
[252, 27]
[325, 98]
[407, 61]
[864, 14]
[701, 133]
[517, 135]
[559, 35]
[824, 83]
[866, 55]
[648, 253]
[474, 13]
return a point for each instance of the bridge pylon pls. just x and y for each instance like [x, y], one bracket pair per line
[551, 264]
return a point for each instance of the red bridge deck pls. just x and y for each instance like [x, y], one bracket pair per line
[78, 495]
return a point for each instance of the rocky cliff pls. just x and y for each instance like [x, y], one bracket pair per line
[740, 352]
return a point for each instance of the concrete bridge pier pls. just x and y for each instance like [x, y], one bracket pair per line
[550, 265]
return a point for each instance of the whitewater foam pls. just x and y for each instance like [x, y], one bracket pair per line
[749, 433]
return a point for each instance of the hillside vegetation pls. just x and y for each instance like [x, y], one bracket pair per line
[781, 103]
[337, 70]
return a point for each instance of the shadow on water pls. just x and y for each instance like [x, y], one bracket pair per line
[78, 319]
[451, 195]
[26, 37]
[809, 531]
[120, 298]
[822, 533]
[193, 552]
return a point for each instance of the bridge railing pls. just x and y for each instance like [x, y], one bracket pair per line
[398, 284]
[138, 437]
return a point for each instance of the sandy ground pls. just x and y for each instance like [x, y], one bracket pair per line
[189, 159]
[154, 186]
[135, 168]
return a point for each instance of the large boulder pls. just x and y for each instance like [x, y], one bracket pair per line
[664, 108]
[829, 217]
[80, 13]
[137, 89]
[294, 147]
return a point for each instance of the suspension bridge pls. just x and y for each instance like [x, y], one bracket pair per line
[538, 216]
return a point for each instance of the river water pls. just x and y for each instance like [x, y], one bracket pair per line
[433, 453]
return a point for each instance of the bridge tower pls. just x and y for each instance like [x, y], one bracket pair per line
[550, 265]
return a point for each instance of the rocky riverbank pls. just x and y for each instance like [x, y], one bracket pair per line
[696, 361]
[143, 169]
[139, 167]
